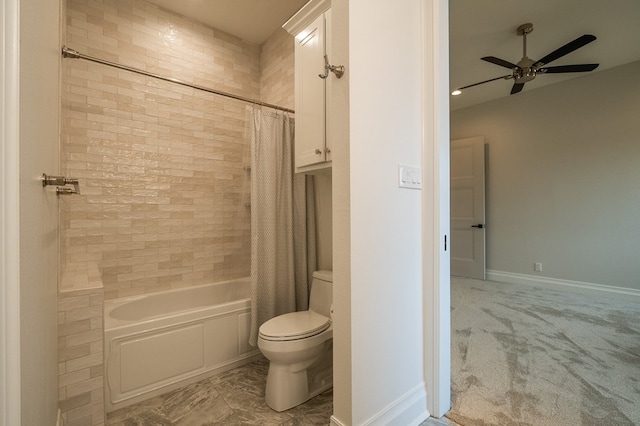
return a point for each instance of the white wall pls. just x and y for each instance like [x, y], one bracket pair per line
[384, 222]
[324, 219]
[341, 209]
[39, 131]
[9, 215]
[563, 174]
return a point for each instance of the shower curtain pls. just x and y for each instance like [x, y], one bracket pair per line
[283, 253]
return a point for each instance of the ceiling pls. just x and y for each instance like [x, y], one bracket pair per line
[477, 29]
[488, 28]
[251, 20]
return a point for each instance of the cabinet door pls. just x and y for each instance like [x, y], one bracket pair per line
[310, 94]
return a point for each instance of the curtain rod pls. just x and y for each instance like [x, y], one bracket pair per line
[71, 53]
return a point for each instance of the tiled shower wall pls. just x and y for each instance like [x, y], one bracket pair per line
[162, 167]
[277, 64]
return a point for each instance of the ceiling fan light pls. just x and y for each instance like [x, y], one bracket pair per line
[456, 92]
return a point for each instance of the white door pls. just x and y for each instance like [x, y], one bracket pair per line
[467, 208]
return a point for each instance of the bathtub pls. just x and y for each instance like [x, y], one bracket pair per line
[161, 341]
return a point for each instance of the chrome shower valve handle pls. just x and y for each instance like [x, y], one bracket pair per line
[61, 182]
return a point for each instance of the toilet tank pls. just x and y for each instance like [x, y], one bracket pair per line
[321, 293]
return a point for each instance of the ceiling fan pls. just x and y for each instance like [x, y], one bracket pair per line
[527, 69]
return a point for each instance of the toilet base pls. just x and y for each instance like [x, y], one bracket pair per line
[288, 386]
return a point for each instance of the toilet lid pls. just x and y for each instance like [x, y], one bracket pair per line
[293, 326]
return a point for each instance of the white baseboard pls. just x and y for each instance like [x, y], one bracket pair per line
[621, 293]
[335, 422]
[410, 409]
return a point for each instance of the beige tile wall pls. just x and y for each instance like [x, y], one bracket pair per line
[161, 166]
[277, 63]
[80, 357]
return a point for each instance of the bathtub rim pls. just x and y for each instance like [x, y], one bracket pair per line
[111, 323]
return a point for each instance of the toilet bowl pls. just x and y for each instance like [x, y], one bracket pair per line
[299, 347]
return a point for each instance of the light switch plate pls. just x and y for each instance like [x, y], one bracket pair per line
[409, 177]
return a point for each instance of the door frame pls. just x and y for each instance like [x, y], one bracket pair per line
[10, 404]
[435, 206]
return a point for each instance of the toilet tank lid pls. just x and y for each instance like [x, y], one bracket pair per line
[324, 275]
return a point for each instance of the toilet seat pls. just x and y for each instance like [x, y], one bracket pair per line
[294, 326]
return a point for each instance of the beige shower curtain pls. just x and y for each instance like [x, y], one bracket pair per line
[282, 222]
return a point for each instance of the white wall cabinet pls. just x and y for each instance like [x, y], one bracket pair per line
[311, 28]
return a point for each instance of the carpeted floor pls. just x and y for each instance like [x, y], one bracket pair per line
[530, 356]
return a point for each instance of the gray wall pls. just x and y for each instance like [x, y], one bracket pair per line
[563, 177]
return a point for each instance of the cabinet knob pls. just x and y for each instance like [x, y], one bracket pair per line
[327, 150]
[318, 151]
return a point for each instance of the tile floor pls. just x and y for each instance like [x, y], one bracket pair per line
[235, 397]
[232, 398]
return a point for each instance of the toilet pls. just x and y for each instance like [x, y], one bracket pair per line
[299, 347]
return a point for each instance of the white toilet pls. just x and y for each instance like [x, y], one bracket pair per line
[299, 347]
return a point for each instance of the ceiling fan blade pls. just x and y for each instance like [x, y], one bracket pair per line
[498, 61]
[566, 49]
[569, 68]
[517, 87]
[486, 81]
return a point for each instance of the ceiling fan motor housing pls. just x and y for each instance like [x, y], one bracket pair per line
[525, 71]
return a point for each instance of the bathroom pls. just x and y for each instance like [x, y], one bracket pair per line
[164, 169]
[364, 260]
